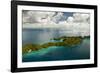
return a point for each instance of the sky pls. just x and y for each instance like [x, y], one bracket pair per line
[71, 21]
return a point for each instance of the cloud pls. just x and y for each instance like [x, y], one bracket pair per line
[37, 17]
[80, 17]
[70, 19]
[77, 24]
[57, 17]
[30, 17]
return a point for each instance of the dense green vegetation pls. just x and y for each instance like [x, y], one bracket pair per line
[66, 41]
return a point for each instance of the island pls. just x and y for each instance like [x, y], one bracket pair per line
[61, 41]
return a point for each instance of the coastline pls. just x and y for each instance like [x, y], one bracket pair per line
[62, 41]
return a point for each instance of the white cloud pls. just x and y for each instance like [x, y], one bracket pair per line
[43, 18]
[57, 17]
[37, 17]
[70, 19]
[76, 24]
[80, 17]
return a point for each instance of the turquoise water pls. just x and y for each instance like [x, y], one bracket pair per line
[54, 53]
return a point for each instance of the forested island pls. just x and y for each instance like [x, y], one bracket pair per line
[62, 41]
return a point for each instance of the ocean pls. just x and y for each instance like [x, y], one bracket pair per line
[53, 53]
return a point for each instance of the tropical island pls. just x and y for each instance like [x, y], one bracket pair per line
[61, 41]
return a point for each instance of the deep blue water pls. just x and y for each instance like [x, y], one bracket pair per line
[53, 53]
